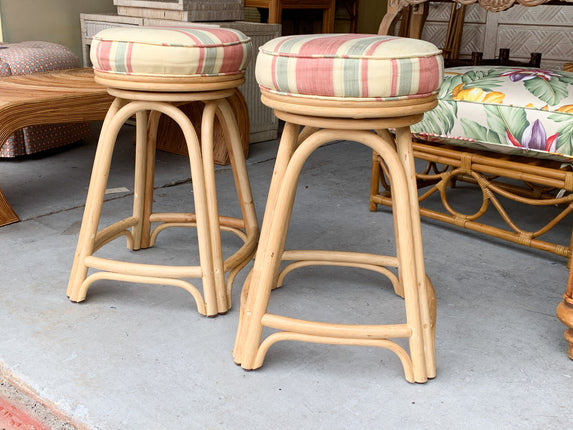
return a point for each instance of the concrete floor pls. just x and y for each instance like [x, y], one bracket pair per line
[140, 357]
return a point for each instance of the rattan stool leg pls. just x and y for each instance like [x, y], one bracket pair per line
[207, 145]
[287, 146]
[403, 144]
[404, 147]
[199, 65]
[201, 199]
[94, 201]
[90, 239]
[374, 181]
[249, 222]
[212, 269]
[152, 126]
[249, 351]
[139, 177]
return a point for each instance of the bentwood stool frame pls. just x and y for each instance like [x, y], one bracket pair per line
[325, 121]
[147, 98]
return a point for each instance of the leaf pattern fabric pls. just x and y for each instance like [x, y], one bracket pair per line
[523, 111]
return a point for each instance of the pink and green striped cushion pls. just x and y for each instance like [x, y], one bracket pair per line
[349, 66]
[170, 51]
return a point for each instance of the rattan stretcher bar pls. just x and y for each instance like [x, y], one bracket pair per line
[525, 180]
[535, 182]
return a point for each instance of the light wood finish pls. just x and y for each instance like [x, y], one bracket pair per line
[47, 98]
[276, 7]
[565, 314]
[169, 84]
[324, 125]
[363, 110]
[7, 214]
[541, 178]
[170, 137]
[217, 274]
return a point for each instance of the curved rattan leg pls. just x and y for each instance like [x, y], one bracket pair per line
[374, 182]
[152, 126]
[207, 145]
[267, 263]
[287, 146]
[90, 239]
[201, 203]
[244, 195]
[200, 196]
[432, 304]
[408, 246]
[406, 154]
[139, 176]
[94, 200]
[264, 275]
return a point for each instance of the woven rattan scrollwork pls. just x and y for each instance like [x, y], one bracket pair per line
[490, 5]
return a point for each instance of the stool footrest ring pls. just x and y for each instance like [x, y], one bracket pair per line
[301, 337]
[144, 280]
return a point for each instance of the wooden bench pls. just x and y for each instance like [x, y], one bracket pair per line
[64, 96]
[69, 96]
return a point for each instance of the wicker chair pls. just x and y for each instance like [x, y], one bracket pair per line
[506, 129]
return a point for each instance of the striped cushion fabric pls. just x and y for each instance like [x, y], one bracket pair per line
[170, 51]
[349, 66]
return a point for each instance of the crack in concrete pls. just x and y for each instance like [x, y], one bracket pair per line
[164, 186]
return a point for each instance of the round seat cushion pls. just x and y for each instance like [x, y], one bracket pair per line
[170, 51]
[349, 66]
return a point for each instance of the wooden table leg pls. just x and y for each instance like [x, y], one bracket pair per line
[7, 214]
[61, 96]
[328, 16]
[565, 312]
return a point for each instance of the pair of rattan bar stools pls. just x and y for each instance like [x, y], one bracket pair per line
[325, 87]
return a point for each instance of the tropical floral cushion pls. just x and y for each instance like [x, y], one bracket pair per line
[525, 111]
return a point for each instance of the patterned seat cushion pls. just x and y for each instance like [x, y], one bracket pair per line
[349, 66]
[170, 51]
[24, 58]
[523, 111]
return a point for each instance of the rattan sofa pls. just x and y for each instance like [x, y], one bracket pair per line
[506, 132]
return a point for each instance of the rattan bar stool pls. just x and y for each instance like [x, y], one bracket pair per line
[152, 71]
[344, 87]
